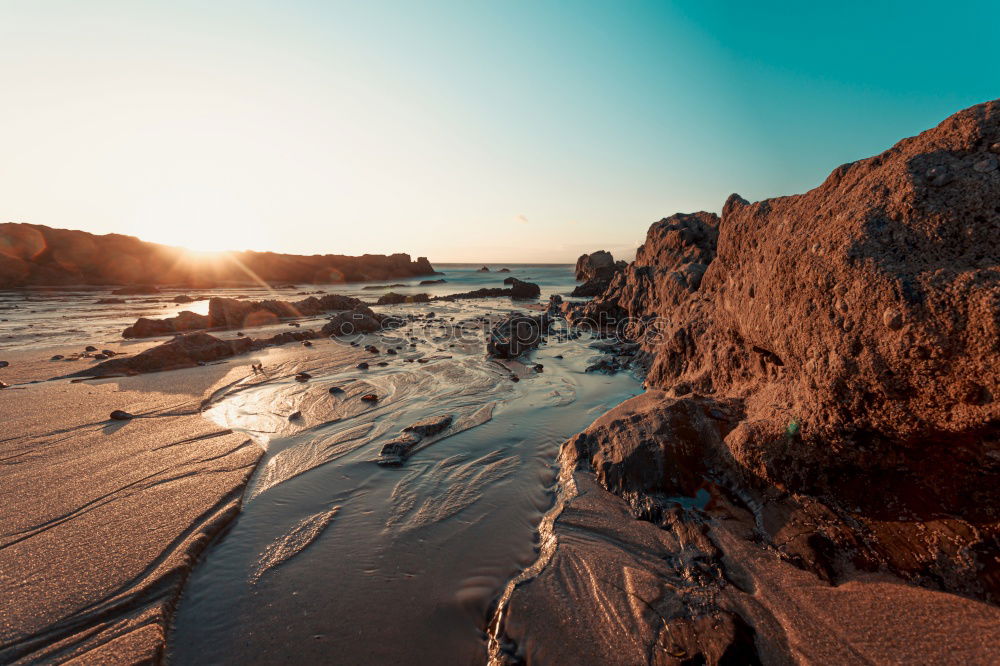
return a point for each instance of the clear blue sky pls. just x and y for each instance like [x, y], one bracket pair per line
[477, 131]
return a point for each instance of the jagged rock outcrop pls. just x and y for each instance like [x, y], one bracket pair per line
[596, 271]
[829, 372]
[522, 289]
[35, 255]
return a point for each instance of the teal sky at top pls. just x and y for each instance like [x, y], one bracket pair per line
[463, 131]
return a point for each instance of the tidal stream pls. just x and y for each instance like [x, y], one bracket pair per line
[336, 559]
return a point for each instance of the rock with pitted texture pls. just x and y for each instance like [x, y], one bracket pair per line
[827, 366]
[516, 334]
[596, 270]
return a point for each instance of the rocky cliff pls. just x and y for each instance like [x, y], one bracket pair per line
[35, 255]
[827, 368]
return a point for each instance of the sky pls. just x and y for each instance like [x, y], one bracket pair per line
[514, 131]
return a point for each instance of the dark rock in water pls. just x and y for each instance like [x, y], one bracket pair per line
[90, 348]
[110, 301]
[121, 415]
[185, 321]
[424, 283]
[396, 450]
[430, 426]
[303, 376]
[518, 289]
[184, 351]
[336, 389]
[504, 270]
[183, 298]
[521, 289]
[370, 397]
[362, 366]
[516, 334]
[360, 319]
[392, 298]
[136, 290]
[379, 287]
[484, 269]
[231, 313]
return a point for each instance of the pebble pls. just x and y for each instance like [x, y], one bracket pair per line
[538, 367]
[90, 348]
[57, 357]
[303, 377]
[4, 364]
[515, 378]
[390, 351]
[336, 389]
[938, 176]
[99, 357]
[370, 397]
[306, 343]
[294, 415]
[121, 415]
[362, 366]
[559, 356]
[4, 385]
[995, 148]
[985, 165]
[240, 334]
[109, 353]
[372, 349]
[382, 363]
[892, 319]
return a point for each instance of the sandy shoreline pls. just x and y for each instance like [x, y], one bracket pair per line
[102, 520]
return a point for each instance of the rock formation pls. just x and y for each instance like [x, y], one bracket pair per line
[36, 255]
[517, 333]
[230, 313]
[826, 368]
[596, 272]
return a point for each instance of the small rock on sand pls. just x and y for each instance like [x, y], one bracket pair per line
[370, 397]
[303, 377]
[121, 415]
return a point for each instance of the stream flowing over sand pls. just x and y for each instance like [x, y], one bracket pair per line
[345, 560]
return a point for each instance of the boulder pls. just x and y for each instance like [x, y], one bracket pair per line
[596, 270]
[520, 289]
[516, 334]
[184, 351]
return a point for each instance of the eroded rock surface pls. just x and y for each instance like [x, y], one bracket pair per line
[824, 446]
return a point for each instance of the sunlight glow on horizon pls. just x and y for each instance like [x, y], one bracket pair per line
[464, 132]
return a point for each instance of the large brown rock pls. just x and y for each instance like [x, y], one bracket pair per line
[865, 311]
[596, 270]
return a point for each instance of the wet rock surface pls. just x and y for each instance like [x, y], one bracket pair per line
[826, 367]
[516, 334]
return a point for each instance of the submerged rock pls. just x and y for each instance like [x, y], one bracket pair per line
[398, 449]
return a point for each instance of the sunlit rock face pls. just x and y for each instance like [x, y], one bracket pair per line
[38, 255]
[866, 308]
